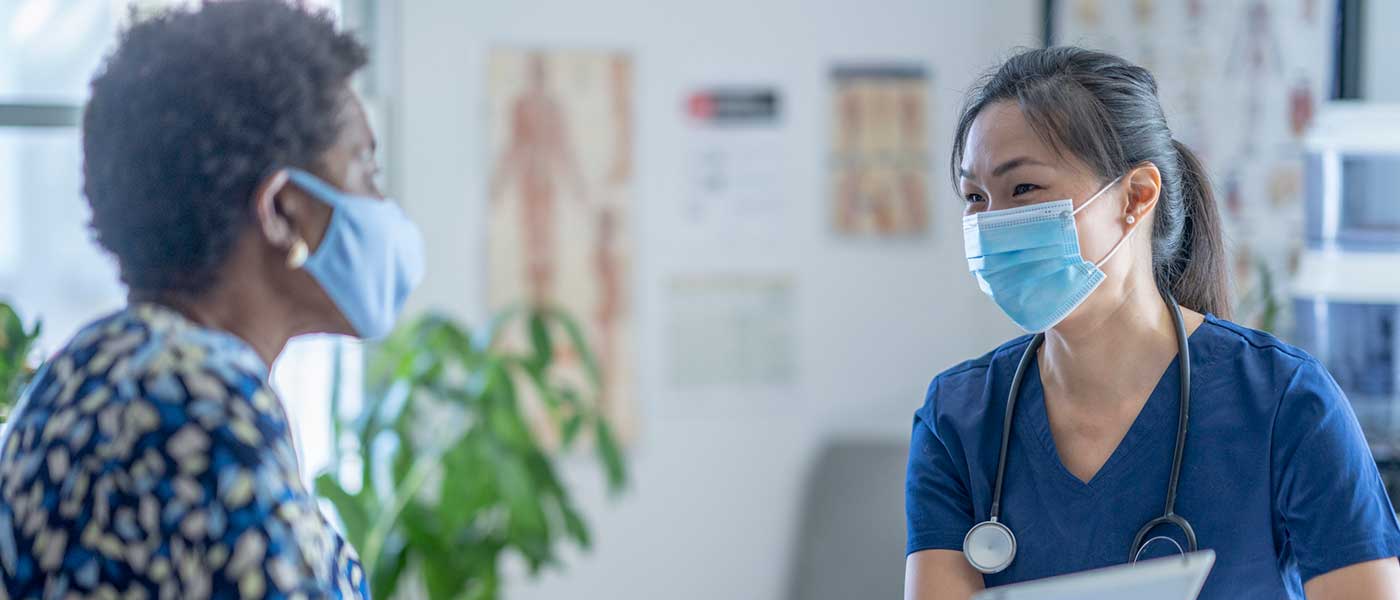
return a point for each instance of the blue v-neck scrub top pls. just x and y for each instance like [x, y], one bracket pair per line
[1276, 479]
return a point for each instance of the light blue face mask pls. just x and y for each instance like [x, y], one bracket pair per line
[1027, 259]
[370, 259]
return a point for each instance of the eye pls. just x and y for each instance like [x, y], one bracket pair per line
[974, 198]
[1024, 188]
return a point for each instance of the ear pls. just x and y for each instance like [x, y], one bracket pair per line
[271, 212]
[1144, 188]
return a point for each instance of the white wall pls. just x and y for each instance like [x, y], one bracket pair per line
[715, 497]
[1381, 18]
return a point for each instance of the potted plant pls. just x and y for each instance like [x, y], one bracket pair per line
[15, 347]
[448, 474]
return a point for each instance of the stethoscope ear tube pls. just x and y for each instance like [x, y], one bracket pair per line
[1026, 359]
[990, 546]
[1169, 516]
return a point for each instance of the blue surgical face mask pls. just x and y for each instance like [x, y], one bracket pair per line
[370, 259]
[1027, 259]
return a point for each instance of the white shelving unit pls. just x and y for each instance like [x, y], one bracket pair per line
[1347, 291]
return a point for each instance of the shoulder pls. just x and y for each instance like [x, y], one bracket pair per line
[1283, 380]
[1256, 358]
[173, 421]
[962, 386]
[147, 372]
[974, 371]
[141, 348]
[1252, 343]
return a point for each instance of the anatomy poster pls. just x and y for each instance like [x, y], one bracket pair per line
[560, 201]
[879, 158]
[1240, 81]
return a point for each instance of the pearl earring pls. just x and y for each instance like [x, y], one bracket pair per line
[1131, 219]
[297, 256]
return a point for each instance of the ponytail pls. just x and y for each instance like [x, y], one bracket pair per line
[1197, 275]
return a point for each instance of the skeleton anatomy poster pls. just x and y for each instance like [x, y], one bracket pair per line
[560, 200]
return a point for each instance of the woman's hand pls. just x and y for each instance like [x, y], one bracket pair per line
[940, 575]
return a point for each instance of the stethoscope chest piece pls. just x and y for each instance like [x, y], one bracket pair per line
[989, 547]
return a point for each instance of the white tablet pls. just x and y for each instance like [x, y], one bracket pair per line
[1169, 578]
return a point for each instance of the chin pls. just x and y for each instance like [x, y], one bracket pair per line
[336, 326]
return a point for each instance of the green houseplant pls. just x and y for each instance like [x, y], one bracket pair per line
[15, 347]
[452, 474]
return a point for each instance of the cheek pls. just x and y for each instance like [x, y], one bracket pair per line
[358, 178]
[1096, 237]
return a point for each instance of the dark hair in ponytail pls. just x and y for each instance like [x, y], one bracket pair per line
[1104, 110]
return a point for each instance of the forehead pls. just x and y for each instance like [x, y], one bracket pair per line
[1001, 132]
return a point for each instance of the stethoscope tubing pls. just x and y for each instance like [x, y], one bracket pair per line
[1169, 516]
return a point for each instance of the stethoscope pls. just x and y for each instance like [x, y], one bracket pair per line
[990, 546]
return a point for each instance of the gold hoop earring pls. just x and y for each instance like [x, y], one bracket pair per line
[297, 256]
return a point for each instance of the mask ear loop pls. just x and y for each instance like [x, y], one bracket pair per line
[1117, 247]
[1096, 195]
[1122, 242]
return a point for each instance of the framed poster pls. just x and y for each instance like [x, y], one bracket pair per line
[559, 222]
[879, 157]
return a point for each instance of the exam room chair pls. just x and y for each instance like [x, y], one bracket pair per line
[850, 539]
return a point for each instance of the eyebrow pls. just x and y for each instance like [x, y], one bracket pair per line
[1003, 168]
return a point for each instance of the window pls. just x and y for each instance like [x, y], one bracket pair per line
[50, 267]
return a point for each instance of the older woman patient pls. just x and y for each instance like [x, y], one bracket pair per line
[230, 171]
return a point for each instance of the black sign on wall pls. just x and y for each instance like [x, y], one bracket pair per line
[736, 106]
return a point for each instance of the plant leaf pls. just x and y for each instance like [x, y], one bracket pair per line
[498, 323]
[527, 525]
[580, 344]
[466, 490]
[444, 581]
[574, 525]
[503, 414]
[534, 373]
[539, 340]
[572, 425]
[611, 456]
[351, 512]
[384, 523]
[385, 579]
[423, 533]
[11, 328]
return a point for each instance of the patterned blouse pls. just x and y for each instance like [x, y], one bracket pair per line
[149, 459]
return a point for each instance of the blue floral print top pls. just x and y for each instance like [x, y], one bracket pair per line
[150, 459]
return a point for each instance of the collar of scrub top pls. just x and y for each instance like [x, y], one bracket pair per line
[990, 546]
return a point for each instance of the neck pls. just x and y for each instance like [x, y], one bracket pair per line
[249, 312]
[1110, 352]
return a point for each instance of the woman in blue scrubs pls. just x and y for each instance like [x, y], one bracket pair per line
[1087, 224]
